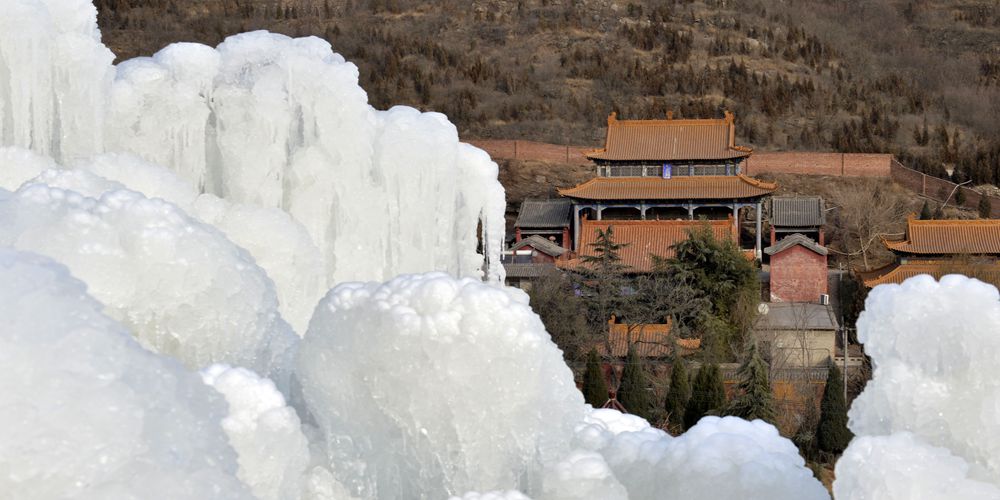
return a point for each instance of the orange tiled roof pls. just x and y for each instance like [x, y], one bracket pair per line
[709, 187]
[980, 236]
[898, 273]
[670, 140]
[645, 238]
[648, 340]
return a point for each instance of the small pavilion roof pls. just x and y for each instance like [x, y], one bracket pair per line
[796, 239]
[544, 214]
[541, 244]
[797, 211]
[942, 237]
[898, 273]
[644, 238]
[670, 140]
[709, 187]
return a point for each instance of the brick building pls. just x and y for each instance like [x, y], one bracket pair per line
[798, 270]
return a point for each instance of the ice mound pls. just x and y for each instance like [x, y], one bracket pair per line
[18, 165]
[279, 244]
[266, 434]
[940, 391]
[87, 413]
[277, 122]
[492, 495]
[580, 476]
[439, 385]
[262, 120]
[719, 458]
[180, 286]
[902, 466]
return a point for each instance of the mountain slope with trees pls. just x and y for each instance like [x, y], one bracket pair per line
[918, 78]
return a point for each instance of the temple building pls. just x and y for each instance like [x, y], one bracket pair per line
[666, 170]
[803, 215]
[940, 247]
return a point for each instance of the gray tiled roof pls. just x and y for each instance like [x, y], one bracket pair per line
[796, 239]
[526, 270]
[544, 214]
[797, 316]
[540, 244]
[799, 211]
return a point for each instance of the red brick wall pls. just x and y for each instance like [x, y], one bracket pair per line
[838, 164]
[531, 150]
[798, 275]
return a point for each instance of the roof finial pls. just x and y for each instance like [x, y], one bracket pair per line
[729, 116]
[670, 114]
[613, 117]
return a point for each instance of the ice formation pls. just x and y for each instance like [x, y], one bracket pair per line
[266, 433]
[931, 404]
[179, 285]
[263, 120]
[437, 385]
[719, 458]
[87, 413]
[207, 195]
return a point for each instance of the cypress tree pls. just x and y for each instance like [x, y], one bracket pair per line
[595, 389]
[632, 393]
[755, 399]
[925, 211]
[832, 434]
[678, 395]
[985, 207]
[708, 395]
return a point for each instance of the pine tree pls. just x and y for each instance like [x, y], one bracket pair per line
[595, 389]
[985, 207]
[708, 395]
[632, 392]
[832, 434]
[678, 395]
[755, 399]
[925, 211]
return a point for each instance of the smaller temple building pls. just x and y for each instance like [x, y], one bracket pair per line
[940, 247]
[803, 215]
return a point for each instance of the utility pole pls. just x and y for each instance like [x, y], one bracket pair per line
[843, 328]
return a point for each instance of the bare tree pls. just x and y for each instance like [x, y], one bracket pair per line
[864, 213]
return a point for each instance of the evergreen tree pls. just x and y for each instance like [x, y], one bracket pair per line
[925, 211]
[960, 197]
[832, 434]
[632, 392]
[754, 400]
[985, 207]
[938, 213]
[678, 395]
[708, 395]
[595, 388]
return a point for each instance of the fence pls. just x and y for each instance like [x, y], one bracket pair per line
[531, 150]
[938, 189]
[835, 164]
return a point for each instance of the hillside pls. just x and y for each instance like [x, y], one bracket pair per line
[919, 78]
